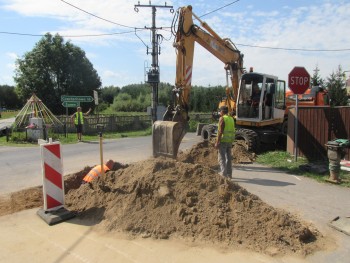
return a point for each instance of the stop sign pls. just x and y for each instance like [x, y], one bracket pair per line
[298, 80]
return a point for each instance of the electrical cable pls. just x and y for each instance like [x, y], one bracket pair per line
[96, 15]
[219, 8]
[238, 44]
[296, 49]
[90, 35]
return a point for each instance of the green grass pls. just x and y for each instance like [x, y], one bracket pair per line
[71, 137]
[285, 162]
[8, 114]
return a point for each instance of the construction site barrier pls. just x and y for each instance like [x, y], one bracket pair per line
[52, 171]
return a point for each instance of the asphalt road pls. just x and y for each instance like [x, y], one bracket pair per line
[21, 166]
[6, 123]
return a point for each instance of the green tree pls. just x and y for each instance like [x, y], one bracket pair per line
[54, 68]
[316, 79]
[9, 98]
[108, 94]
[122, 102]
[165, 94]
[336, 88]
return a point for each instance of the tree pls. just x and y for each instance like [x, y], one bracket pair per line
[336, 88]
[54, 68]
[9, 98]
[316, 79]
[108, 94]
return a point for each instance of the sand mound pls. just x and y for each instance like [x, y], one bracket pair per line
[205, 154]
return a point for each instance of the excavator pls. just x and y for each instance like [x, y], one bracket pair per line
[259, 117]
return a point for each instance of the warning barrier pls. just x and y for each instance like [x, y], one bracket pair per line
[52, 170]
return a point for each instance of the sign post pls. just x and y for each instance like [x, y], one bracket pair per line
[76, 98]
[298, 82]
[70, 104]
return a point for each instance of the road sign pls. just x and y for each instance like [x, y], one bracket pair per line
[298, 80]
[70, 104]
[96, 97]
[76, 98]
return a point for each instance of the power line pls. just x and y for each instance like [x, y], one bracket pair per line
[296, 49]
[89, 35]
[109, 21]
[133, 31]
[219, 8]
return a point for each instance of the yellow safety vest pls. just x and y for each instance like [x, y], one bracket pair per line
[229, 131]
[77, 118]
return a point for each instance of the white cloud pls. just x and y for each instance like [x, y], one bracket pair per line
[12, 55]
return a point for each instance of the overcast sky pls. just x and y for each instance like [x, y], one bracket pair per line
[273, 35]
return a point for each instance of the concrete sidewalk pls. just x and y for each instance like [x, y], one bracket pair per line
[27, 238]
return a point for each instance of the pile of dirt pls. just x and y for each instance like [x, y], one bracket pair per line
[33, 197]
[204, 153]
[184, 199]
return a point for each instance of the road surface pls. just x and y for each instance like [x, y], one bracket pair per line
[6, 123]
[21, 166]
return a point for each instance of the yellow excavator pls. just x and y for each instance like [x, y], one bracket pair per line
[252, 120]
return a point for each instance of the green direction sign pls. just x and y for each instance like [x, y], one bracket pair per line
[70, 104]
[76, 98]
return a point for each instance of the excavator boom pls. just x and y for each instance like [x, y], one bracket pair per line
[167, 134]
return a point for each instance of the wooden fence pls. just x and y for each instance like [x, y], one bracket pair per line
[115, 123]
[317, 126]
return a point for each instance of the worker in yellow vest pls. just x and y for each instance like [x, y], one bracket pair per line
[225, 138]
[78, 120]
[97, 171]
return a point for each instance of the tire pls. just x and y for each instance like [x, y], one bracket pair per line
[206, 133]
[284, 128]
[250, 137]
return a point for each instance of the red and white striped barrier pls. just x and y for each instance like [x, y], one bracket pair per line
[52, 170]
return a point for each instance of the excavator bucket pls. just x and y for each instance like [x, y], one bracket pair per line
[167, 136]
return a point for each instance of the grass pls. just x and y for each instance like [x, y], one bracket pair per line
[285, 162]
[8, 114]
[72, 137]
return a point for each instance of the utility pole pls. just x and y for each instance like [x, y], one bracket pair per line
[153, 73]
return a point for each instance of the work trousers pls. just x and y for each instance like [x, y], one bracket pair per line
[225, 159]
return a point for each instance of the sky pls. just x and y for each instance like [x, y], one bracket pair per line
[274, 35]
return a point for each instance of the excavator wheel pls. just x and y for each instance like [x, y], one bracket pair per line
[250, 138]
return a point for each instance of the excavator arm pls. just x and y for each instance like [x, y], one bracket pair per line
[167, 134]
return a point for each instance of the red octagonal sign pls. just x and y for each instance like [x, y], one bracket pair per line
[298, 80]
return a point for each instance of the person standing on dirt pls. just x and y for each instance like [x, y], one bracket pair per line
[97, 171]
[78, 120]
[226, 136]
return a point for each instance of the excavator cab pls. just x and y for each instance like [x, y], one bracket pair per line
[260, 99]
